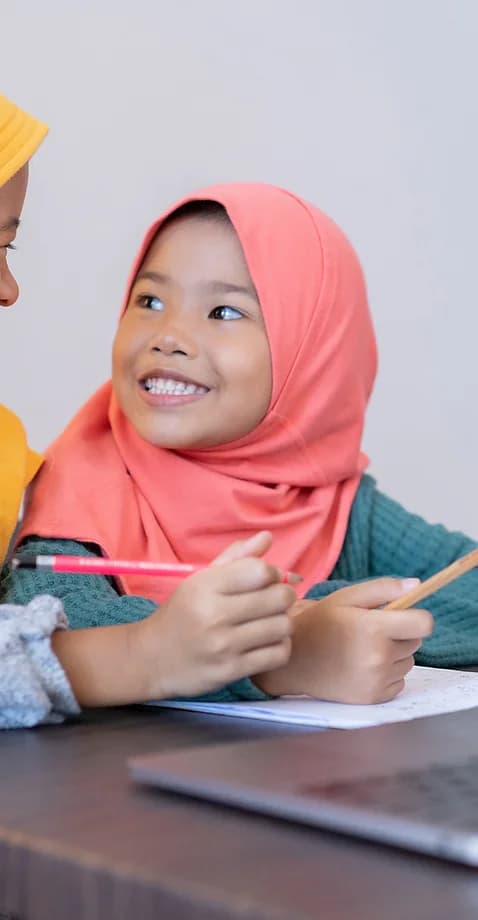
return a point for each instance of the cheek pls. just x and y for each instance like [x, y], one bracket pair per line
[262, 383]
[124, 345]
[261, 366]
[248, 367]
[121, 361]
[116, 357]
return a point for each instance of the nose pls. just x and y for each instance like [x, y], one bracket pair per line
[8, 286]
[174, 338]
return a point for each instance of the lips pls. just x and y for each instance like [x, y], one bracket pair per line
[169, 376]
[168, 384]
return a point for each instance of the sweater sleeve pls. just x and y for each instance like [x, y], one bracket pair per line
[34, 688]
[384, 539]
[93, 600]
[353, 564]
[404, 544]
[88, 600]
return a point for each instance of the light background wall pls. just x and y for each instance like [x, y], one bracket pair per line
[366, 107]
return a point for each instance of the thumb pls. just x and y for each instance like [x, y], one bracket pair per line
[371, 594]
[256, 545]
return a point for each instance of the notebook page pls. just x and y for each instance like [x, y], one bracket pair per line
[428, 692]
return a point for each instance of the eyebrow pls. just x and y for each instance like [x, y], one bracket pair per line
[12, 224]
[213, 287]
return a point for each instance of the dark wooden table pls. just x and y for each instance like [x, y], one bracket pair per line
[78, 841]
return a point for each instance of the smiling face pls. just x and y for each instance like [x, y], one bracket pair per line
[191, 361]
[12, 196]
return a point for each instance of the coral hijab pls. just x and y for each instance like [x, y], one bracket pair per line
[296, 474]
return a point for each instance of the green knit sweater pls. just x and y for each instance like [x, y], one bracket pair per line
[382, 539]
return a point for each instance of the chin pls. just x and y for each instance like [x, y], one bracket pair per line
[180, 442]
[168, 441]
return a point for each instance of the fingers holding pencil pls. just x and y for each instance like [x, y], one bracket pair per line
[444, 577]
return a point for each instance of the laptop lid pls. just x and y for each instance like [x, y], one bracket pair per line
[412, 785]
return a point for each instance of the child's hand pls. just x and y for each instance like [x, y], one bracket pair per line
[343, 650]
[224, 623]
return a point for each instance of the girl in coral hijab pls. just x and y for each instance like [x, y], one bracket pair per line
[242, 367]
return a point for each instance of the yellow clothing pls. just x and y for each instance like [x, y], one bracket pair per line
[20, 135]
[18, 465]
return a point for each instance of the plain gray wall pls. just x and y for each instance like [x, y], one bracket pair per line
[366, 107]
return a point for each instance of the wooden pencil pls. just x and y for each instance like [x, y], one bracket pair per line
[442, 578]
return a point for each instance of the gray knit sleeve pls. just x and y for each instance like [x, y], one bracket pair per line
[33, 686]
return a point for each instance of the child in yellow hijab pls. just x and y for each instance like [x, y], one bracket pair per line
[20, 135]
[33, 685]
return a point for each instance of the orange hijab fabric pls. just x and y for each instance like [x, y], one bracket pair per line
[296, 474]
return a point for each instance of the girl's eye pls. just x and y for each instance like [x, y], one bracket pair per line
[151, 303]
[225, 313]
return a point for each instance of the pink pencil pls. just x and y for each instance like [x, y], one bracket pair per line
[89, 565]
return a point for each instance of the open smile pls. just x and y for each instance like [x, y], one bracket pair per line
[170, 389]
[162, 385]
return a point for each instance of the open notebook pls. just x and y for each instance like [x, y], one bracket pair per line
[428, 692]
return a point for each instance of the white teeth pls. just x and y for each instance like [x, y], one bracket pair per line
[163, 385]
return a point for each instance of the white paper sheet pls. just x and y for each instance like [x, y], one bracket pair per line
[428, 692]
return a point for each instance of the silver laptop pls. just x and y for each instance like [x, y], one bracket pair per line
[413, 785]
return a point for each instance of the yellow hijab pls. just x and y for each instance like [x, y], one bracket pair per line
[18, 465]
[20, 135]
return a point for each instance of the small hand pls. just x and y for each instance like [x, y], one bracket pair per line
[344, 649]
[222, 624]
